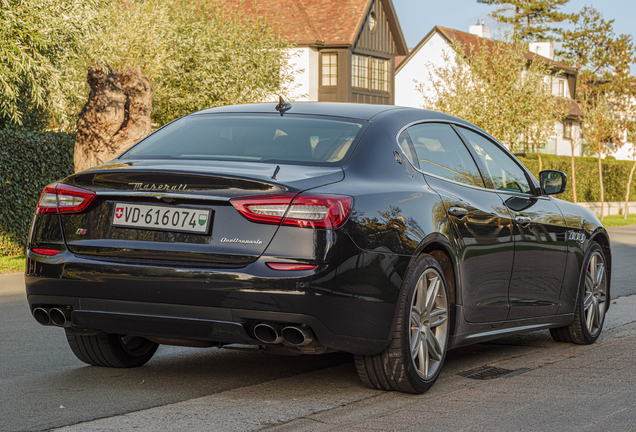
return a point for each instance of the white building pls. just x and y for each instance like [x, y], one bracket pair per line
[345, 49]
[430, 51]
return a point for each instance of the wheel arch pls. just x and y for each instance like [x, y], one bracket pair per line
[439, 247]
[602, 239]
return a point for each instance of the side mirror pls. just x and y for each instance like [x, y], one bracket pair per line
[552, 182]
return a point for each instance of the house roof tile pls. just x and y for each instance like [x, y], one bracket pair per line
[319, 22]
[471, 41]
[328, 22]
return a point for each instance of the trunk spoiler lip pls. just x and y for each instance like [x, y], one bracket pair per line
[161, 195]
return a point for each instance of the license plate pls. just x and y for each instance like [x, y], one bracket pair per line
[161, 218]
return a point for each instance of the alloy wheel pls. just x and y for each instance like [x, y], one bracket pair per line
[595, 294]
[428, 324]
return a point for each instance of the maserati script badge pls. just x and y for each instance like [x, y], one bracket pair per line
[158, 187]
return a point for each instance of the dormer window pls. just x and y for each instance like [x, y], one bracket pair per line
[329, 69]
[371, 21]
[379, 74]
[359, 71]
[370, 73]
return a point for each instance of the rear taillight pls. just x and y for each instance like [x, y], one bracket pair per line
[306, 211]
[61, 198]
[319, 211]
[47, 203]
[268, 209]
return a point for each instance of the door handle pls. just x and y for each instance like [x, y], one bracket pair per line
[523, 220]
[458, 212]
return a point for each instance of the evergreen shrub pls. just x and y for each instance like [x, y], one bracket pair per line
[615, 176]
[29, 160]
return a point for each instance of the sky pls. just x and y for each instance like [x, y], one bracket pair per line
[418, 17]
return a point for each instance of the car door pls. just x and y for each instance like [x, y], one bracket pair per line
[482, 223]
[539, 232]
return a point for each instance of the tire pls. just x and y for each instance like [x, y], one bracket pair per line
[422, 325]
[112, 350]
[591, 302]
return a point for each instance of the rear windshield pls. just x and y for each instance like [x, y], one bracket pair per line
[293, 139]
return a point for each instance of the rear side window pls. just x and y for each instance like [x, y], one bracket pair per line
[310, 140]
[441, 152]
[506, 175]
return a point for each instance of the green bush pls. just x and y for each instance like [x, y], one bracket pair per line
[29, 160]
[615, 175]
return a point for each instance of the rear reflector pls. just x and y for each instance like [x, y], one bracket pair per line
[46, 251]
[290, 266]
[61, 198]
[306, 211]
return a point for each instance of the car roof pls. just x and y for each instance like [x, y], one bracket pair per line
[351, 110]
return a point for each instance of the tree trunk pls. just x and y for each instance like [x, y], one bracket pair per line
[629, 182]
[116, 115]
[573, 176]
[600, 178]
[540, 161]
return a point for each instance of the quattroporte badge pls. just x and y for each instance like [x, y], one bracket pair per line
[238, 240]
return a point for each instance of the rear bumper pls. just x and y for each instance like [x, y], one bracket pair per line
[220, 305]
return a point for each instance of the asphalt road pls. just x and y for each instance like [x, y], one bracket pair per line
[623, 241]
[43, 385]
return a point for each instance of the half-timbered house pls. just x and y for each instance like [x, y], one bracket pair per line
[344, 49]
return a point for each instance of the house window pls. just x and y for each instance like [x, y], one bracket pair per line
[561, 87]
[379, 74]
[359, 71]
[371, 21]
[329, 69]
[567, 129]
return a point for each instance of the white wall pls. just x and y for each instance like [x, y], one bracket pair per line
[563, 147]
[416, 69]
[304, 63]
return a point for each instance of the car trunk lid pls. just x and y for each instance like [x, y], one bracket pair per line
[198, 187]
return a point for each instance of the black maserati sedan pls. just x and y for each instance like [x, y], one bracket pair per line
[391, 233]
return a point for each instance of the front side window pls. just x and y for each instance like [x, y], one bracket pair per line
[293, 139]
[442, 153]
[329, 69]
[506, 175]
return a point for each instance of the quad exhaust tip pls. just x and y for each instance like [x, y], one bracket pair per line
[41, 316]
[297, 336]
[271, 333]
[268, 333]
[59, 317]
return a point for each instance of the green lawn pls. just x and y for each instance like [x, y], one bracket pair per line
[12, 264]
[617, 220]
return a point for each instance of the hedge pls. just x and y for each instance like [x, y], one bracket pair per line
[615, 176]
[29, 160]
